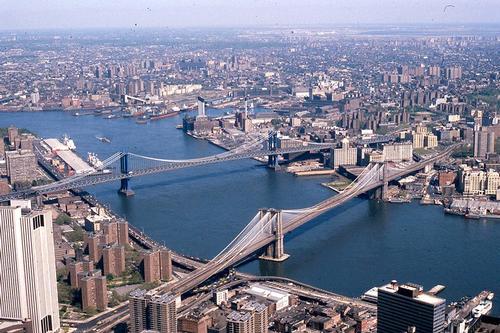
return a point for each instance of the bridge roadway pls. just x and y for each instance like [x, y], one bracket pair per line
[163, 166]
[245, 249]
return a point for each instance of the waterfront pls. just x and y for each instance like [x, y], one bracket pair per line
[348, 250]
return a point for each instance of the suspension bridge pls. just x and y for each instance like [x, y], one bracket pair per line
[123, 166]
[265, 232]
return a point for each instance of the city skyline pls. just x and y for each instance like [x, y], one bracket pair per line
[136, 157]
[53, 14]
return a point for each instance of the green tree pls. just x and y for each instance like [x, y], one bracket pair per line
[63, 218]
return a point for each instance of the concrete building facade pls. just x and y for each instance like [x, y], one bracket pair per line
[28, 286]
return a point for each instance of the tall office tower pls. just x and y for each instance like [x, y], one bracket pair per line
[28, 287]
[149, 311]
[21, 166]
[201, 107]
[404, 306]
[240, 322]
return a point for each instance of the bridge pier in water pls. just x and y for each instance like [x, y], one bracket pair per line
[124, 182]
[276, 250]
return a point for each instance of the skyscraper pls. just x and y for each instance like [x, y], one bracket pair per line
[402, 306]
[27, 268]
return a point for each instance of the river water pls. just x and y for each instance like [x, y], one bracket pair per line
[348, 250]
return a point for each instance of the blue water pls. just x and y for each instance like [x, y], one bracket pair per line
[347, 250]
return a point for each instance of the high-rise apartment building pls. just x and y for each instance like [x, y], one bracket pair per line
[115, 232]
[113, 259]
[94, 290]
[28, 288]
[77, 267]
[260, 316]
[453, 73]
[21, 166]
[400, 307]
[484, 142]
[92, 242]
[240, 322]
[149, 311]
[157, 265]
[12, 134]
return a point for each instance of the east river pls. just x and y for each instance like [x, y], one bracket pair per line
[348, 250]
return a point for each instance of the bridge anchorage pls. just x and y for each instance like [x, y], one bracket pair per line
[275, 251]
[124, 182]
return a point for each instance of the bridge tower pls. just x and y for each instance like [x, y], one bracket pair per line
[276, 250]
[124, 186]
[384, 178]
[272, 160]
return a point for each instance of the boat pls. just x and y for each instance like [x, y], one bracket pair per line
[142, 120]
[490, 296]
[103, 139]
[94, 161]
[68, 142]
[482, 309]
[110, 116]
[163, 115]
[179, 126]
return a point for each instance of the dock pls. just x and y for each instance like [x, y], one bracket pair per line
[321, 172]
[436, 289]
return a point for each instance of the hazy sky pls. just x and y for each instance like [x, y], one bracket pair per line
[23, 14]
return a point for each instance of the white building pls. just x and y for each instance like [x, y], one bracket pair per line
[398, 152]
[478, 182]
[28, 288]
[345, 155]
[277, 296]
